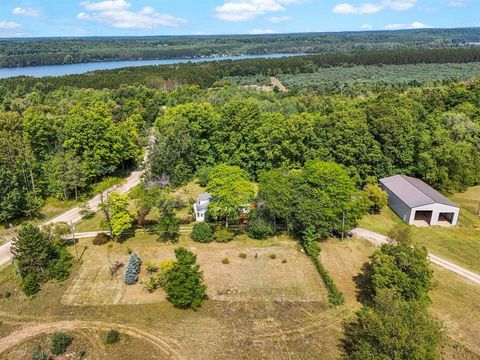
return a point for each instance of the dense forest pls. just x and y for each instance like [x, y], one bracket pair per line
[208, 74]
[60, 141]
[43, 51]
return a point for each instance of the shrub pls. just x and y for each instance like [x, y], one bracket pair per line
[112, 337]
[401, 234]
[259, 229]
[223, 236]
[226, 261]
[30, 284]
[7, 294]
[151, 267]
[284, 261]
[39, 354]
[132, 269]
[335, 297]
[242, 256]
[87, 214]
[101, 239]
[202, 233]
[273, 256]
[60, 342]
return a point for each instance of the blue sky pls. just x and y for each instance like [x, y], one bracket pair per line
[27, 18]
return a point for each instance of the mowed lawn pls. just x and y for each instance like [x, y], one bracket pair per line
[459, 244]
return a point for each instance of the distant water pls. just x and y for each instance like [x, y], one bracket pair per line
[69, 69]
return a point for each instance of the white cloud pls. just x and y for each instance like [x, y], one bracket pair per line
[117, 13]
[366, 27]
[262, 31]
[25, 11]
[372, 8]
[243, 10]
[9, 25]
[279, 19]
[414, 25]
[458, 3]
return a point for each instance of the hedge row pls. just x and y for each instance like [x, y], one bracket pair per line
[335, 296]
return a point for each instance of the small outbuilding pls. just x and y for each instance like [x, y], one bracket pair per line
[201, 206]
[417, 203]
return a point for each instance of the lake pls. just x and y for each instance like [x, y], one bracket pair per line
[69, 69]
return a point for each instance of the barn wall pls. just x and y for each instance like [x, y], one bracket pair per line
[398, 206]
[437, 209]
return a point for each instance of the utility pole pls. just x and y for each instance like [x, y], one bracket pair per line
[343, 225]
[74, 239]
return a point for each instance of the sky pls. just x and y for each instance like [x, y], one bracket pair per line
[41, 18]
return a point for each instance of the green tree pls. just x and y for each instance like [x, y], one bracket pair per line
[11, 196]
[184, 281]
[121, 220]
[402, 268]
[275, 194]
[376, 198]
[168, 227]
[32, 251]
[394, 329]
[326, 198]
[232, 191]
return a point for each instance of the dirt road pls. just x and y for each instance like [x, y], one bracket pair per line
[165, 345]
[379, 239]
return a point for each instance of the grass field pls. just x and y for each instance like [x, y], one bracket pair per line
[259, 307]
[460, 244]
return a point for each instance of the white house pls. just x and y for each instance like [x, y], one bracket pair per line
[201, 206]
[418, 203]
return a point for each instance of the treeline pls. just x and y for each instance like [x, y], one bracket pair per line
[51, 51]
[60, 143]
[208, 74]
[431, 133]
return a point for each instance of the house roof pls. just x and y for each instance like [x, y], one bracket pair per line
[204, 197]
[414, 192]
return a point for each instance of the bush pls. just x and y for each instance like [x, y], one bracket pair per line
[60, 342]
[284, 261]
[112, 337]
[226, 261]
[202, 233]
[401, 234]
[151, 267]
[30, 284]
[101, 239]
[273, 256]
[259, 229]
[335, 297]
[39, 354]
[242, 256]
[87, 214]
[132, 269]
[223, 236]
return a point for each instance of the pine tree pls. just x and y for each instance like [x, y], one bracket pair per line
[132, 269]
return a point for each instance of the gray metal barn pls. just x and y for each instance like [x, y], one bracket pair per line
[418, 203]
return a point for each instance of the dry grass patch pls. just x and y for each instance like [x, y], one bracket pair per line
[257, 277]
[456, 302]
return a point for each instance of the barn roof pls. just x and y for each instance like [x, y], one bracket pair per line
[414, 192]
